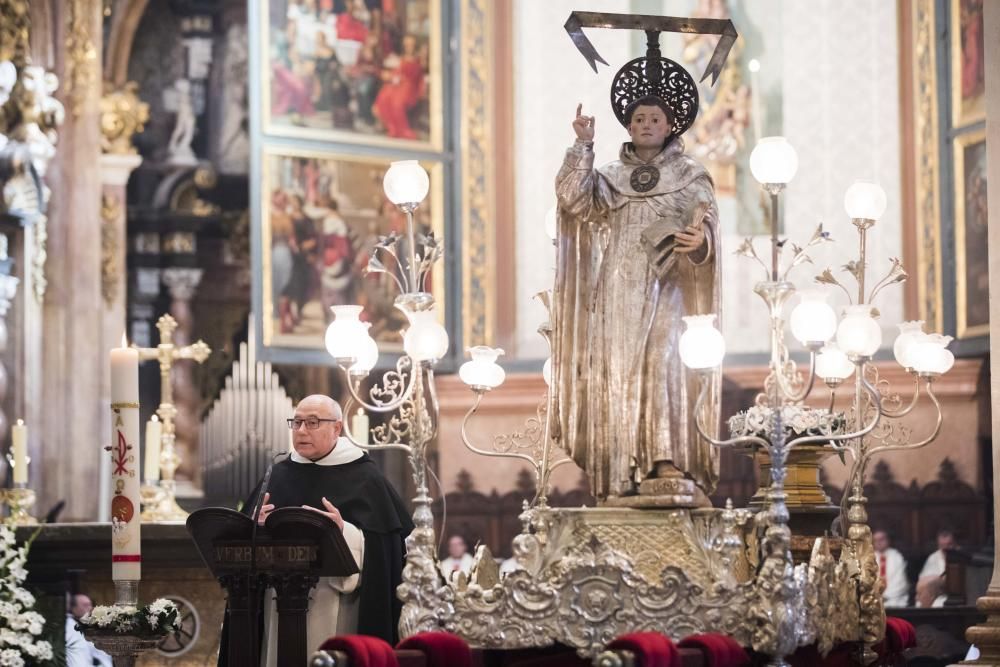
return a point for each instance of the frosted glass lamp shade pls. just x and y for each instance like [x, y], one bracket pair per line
[929, 354]
[865, 200]
[832, 364]
[909, 332]
[483, 370]
[859, 335]
[550, 224]
[701, 345]
[347, 337]
[813, 320]
[406, 182]
[367, 355]
[774, 160]
[425, 339]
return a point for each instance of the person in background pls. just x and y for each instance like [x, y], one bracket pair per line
[930, 583]
[80, 652]
[459, 559]
[892, 570]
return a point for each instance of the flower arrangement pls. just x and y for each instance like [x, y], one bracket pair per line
[20, 625]
[796, 420]
[150, 621]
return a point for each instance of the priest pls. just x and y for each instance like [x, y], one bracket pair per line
[329, 475]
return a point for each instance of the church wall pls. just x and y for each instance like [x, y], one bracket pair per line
[829, 81]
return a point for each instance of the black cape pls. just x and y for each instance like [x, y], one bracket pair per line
[366, 499]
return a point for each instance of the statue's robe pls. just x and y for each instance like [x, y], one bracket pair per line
[625, 399]
[376, 525]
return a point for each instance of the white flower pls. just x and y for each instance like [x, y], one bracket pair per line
[24, 597]
[162, 606]
[154, 620]
[10, 657]
[40, 650]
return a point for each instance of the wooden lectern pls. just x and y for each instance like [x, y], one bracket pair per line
[290, 552]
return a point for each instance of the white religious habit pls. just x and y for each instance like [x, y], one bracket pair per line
[450, 567]
[892, 570]
[934, 567]
[334, 604]
[79, 651]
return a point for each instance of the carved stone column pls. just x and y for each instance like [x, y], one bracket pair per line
[75, 372]
[987, 636]
[182, 284]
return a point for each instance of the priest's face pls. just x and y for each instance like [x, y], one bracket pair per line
[316, 443]
[649, 127]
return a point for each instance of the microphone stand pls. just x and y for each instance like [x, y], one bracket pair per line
[252, 608]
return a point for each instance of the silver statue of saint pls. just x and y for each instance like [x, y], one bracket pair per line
[638, 249]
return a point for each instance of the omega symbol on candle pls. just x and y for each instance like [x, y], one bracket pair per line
[121, 506]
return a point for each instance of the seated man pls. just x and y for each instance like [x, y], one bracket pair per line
[329, 475]
[79, 651]
[930, 583]
[892, 570]
[459, 559]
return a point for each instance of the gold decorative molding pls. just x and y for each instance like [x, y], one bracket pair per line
[14, 31]
[81, 65]
[925, 138]
[477, 175]
[111, 248]
[122, 115]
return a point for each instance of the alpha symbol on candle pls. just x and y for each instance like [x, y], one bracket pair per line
[121, 455]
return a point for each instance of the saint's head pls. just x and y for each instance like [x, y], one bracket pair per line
[650, 122]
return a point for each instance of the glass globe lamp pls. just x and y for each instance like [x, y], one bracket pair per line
[813, 320]
[425, 339]
[774, 161]
[701, 345]
[865, 200]
[929, 355]
[859, 335]
[909, 332]
[346, 337]
[833, 365]
[482, 371]
[406, 183]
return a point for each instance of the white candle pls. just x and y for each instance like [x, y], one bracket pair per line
[19, 448]
[154, 432]
[359, 427]
[126, 555]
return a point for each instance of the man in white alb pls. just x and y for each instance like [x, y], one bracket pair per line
[892, 570]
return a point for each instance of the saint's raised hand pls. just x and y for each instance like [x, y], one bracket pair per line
[331, 512]
[583, 125]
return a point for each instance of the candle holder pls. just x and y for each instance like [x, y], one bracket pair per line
[169, 510]
[151, 496]
[20, 499]
[123, 649]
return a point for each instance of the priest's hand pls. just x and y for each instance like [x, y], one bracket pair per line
[265, 509]
[583, 125]
[331, 512]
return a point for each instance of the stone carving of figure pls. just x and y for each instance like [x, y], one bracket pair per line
[179, 148]
[638, 250]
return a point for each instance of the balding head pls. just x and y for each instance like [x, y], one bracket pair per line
[314, 444]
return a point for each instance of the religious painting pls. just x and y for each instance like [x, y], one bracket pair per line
[359, 71]
[967, 62]
[971, 260]
[321, 217]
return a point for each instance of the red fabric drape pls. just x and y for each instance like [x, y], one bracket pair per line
[442, 649]
[363, 651]
[719, 650]
[651, 649]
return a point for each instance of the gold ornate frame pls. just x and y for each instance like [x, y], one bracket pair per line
[978, 112]
[436, 87]
[436, 195]
[963, 329]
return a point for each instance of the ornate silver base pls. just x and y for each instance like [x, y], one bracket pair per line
[586, 576]
[123, 649]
